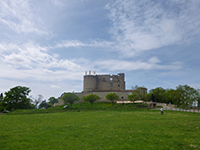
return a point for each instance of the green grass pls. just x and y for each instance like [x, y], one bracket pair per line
[101, 129]
[80, 107]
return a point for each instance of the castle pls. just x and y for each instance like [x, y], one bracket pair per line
[102, 85]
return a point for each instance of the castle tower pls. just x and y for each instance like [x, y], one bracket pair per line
[90, 83]
[103, 82]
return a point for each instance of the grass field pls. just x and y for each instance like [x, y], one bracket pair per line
[101, 129]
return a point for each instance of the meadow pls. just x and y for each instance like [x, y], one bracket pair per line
[100, 129]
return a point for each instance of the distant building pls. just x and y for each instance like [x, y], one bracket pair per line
[102, 85]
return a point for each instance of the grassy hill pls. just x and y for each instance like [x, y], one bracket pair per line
[80, 107]
[118, 128]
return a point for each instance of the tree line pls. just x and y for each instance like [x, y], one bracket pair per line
[18, 97]
[183, 95]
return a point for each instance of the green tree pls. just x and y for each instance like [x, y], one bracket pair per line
[198, 100]
[45, 105]
[112, 97]
[37, 99]
[91, 98]
[171, 96]
[1, 97]
[139, 93]
[53, 100]
[70, 98]
[1, 106]
[16, 98]
[133, 97]
[187, 95]
[159, 94]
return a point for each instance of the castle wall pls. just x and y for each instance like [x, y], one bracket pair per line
[90, 83]
[123, 96]
[104, 82]
[102, 85]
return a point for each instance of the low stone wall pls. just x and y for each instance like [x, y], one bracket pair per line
[123, 96]
[161, 104]
[172, 105]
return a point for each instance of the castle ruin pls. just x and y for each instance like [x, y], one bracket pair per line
[102, 85]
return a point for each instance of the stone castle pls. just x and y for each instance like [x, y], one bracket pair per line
[102, 85]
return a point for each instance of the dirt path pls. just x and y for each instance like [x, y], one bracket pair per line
[179, 109]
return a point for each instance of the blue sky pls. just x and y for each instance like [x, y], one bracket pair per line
[47, 45]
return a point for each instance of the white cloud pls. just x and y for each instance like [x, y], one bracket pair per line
[57, 3]
[30, 55]
[21, 17]
[55, 86]
[151, 64]
[145, 25]
[154, 60]
[75, 43]
[31, 61]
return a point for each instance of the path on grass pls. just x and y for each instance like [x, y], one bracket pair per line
[179, 109]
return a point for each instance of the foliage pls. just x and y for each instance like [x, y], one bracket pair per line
[53, 100]
[183, 95]
[1, 97]
[70, 98]
[112, 97]
[91, 98]
[138, 94]
[1, 106]
[158, 94]
[44, 104]
[16, 98]
[37, 99]
[133, 97]
[187, 95]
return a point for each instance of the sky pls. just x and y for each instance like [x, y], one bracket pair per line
[47, 45]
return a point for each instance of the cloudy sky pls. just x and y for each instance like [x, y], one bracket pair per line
[47, 45]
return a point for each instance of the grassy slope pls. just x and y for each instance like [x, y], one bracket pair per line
[134, 129]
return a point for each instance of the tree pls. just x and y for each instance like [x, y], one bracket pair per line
[45, 105]
[171, 96]
[1, 97]
[159, 94]
[91, 98]
[139, 93]
[37, 99]
[16, 98]
[112, 97]
[187, 95]
[53, 100]
[1, 106]
[198, 100]
[133, 97]
[70, 98]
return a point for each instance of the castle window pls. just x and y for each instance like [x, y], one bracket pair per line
[122, 97]
[111, 78]
[118, 85]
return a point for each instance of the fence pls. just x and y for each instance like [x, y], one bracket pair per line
[195, 109]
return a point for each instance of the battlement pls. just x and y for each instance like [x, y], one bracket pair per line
[103, 82]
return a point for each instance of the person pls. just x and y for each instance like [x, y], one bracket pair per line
[161, 109]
